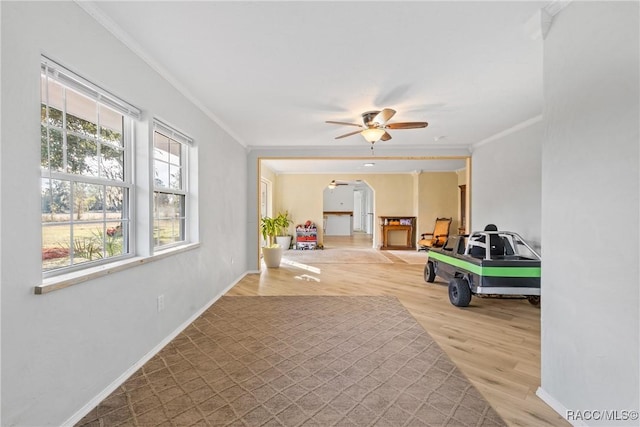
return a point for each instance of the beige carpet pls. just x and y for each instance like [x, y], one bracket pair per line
[299, 361]
[336, 256]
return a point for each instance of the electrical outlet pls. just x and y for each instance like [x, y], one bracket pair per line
[231, 260]
[160, 303]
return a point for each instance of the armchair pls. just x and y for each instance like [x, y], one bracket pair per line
[438, 237]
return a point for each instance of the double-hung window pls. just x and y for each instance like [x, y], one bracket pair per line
[170, 191]
[86, 157]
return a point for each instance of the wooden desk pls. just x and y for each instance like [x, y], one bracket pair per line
[390, 224]
[385, 236]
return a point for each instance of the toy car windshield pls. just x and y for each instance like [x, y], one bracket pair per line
[486, 263]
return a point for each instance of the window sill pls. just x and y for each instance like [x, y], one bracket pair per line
[77, 277]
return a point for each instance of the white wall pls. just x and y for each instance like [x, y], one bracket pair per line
[339, 199]
[62, 349]
[590, 188]
[506, 181]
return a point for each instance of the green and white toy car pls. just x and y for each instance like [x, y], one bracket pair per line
[487, 263]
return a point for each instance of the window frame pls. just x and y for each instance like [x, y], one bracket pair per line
[186, 142]
[51, 71]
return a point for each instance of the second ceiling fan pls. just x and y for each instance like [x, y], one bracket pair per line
[374, 127]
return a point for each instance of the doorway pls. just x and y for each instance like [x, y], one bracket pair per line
[348, 214]
[266, 202]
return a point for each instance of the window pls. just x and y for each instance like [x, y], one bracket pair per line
[86, 172]
[170, 192]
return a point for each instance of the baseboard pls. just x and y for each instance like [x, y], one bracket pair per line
[558, 407]
[125, 375]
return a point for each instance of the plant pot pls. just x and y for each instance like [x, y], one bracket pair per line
[284, 242]
[272, 257]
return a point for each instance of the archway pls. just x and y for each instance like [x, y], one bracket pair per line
[348, 213]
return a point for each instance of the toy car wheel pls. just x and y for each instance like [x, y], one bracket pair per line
[459, 292]
[534, 300]
[429, 272]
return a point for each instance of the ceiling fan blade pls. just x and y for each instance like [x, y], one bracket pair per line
[385, 137]
[382, 117]
[407, 125]
[347, 134]
[343, 123]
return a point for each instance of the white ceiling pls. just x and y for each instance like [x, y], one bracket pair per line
[271, 73]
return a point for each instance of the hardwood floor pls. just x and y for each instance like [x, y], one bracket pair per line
[495, 342]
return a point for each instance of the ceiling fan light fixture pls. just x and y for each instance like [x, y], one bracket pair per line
[372, 134]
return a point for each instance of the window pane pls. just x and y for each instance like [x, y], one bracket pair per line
[55, 246]
[169, 218]
[175, 155]
[55, 200]
[111, 126]
[167, 205]
[51, 149]
[114, 202]
[168, 231]
[175, 177]
[160, 174]
[112, 160]
[88, 202]
[44, 147]
[82, 156]
[82, 114]
[87, 242]
[167, 162]
[114, 239]
[161, 147]
[55, 118]
[52, 93]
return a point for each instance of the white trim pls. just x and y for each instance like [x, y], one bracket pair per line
[1, 203]
[81, 276]
[79, 84]
[186, 143]
[170, 131]
[94, 11]
[557, 406]
[82, 412]
[506, 132]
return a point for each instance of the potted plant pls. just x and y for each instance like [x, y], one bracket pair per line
[283, 238]
[272, 252]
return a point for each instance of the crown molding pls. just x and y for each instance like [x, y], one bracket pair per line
[555, 6]
[538, 26]
[110, 25]
[396, 150]
[506, 132]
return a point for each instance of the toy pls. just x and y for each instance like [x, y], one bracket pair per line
[509, 266]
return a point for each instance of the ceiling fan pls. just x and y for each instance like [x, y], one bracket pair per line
[375, 125]
[333, 184]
